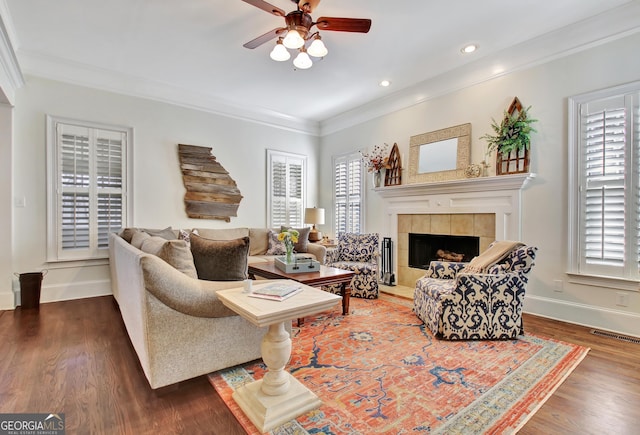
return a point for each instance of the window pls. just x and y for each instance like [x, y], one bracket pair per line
[604, 196]
[87, 187]
[286, 183]
[349, 195]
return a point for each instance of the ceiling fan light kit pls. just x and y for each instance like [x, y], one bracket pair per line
[297, 33]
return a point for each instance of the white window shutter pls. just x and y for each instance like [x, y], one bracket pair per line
[348, 194]
[286, 202]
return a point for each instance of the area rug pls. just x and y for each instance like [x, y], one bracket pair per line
[380, 370]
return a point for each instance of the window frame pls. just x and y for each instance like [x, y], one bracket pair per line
[273, 155]
[55, 252]
[347, 157]
[627, 279]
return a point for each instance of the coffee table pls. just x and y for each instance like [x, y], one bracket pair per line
[278, 397]
[325, 276]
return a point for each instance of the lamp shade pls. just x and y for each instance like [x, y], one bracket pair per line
[314, 216]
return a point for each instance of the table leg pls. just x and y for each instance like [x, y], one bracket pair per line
[278, 397]
[345, 292]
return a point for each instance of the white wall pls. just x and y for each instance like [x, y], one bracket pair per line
[546, 88]
[239, 146]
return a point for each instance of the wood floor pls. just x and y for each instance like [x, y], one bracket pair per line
[75, 358]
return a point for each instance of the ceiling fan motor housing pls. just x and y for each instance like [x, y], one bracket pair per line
[300, 21]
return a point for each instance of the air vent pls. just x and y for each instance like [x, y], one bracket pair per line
[616, 336]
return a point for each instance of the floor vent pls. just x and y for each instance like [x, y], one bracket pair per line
[616, 336]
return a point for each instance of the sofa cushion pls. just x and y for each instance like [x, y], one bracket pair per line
[174, 252]
[138, 238]
[259, 241]
[220, 260]
[303, 238]
[276, 247]
[166, 233]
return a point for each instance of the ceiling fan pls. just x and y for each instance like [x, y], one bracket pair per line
[297, 31]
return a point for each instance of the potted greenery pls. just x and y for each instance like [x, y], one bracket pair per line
[511, 139]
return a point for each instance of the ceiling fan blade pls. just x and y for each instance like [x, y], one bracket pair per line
[264, 38]
[261, 4]
[360, 25]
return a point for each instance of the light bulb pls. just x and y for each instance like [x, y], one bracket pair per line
[293, 40]
[317, 48]
[279, 52]
[302, 60]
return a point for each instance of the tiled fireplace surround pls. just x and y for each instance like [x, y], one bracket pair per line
[486, 207]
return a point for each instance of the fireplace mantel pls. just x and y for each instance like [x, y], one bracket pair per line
[480, 184]
[498, 195]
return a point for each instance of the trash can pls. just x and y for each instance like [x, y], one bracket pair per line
[30, 285]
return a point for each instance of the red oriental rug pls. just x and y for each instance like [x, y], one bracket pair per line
[380, 370]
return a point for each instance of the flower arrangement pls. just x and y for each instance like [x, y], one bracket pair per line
[376, 160]
[289, 238]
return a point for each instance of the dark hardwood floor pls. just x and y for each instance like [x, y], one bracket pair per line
[75, 357]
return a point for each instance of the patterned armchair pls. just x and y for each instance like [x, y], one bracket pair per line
[359, 253]
[475, 306]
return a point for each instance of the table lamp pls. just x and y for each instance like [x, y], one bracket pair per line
[314, 216]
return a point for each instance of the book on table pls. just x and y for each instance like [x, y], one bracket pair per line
[277, 291]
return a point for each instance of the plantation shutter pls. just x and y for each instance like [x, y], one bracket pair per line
[609, 193]
[89, 204]
[286, 190]
[348, 194]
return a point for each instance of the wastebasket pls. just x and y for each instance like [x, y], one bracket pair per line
[30, 285]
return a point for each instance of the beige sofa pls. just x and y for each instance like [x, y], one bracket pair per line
[177, 326]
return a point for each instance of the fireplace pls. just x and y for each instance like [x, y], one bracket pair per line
[424, 248]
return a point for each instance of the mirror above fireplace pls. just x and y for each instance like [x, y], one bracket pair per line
[440, 155]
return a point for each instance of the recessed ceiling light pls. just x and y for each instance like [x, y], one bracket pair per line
[469, 48]
[385, 83]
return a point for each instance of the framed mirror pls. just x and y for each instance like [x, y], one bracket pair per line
[440, 155]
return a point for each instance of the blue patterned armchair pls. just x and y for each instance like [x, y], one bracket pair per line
[457, 305]
[359, 253]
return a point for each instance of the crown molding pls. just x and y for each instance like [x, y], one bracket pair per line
[11, 77]
[67, 71]
[603, 28]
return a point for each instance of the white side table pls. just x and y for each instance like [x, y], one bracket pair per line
[278, 397]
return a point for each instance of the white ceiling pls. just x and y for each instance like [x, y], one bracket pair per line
[190, 51]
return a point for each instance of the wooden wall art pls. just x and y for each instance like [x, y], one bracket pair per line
[393, 175]
[211, 192]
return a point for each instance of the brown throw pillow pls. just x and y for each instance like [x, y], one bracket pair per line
[303, 238]
[220, 260]
[174, 252]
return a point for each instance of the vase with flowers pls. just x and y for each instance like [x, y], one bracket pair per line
[376, 161]
[289, 238]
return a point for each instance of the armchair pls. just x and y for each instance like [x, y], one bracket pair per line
[461, 305]
[359, 253]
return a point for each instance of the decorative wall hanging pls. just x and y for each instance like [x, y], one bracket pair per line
[511, 140]
[393, 174]
[440, 155]
[211, 192]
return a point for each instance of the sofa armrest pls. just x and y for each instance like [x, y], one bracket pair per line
[444, 269]
[186, 295]
[318, 250]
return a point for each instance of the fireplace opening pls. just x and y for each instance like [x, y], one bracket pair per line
[424, 248]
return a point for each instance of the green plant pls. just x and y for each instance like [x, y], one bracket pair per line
[512, 134]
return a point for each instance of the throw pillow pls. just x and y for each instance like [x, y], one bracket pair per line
[303, 238]
[276, 247]
[259, 241]
[166, 233]
[220, 260]
[174, 252]
[127, 234]
[138, 238]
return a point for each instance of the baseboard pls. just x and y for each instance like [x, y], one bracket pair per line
[621, 322]
[64, 292]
